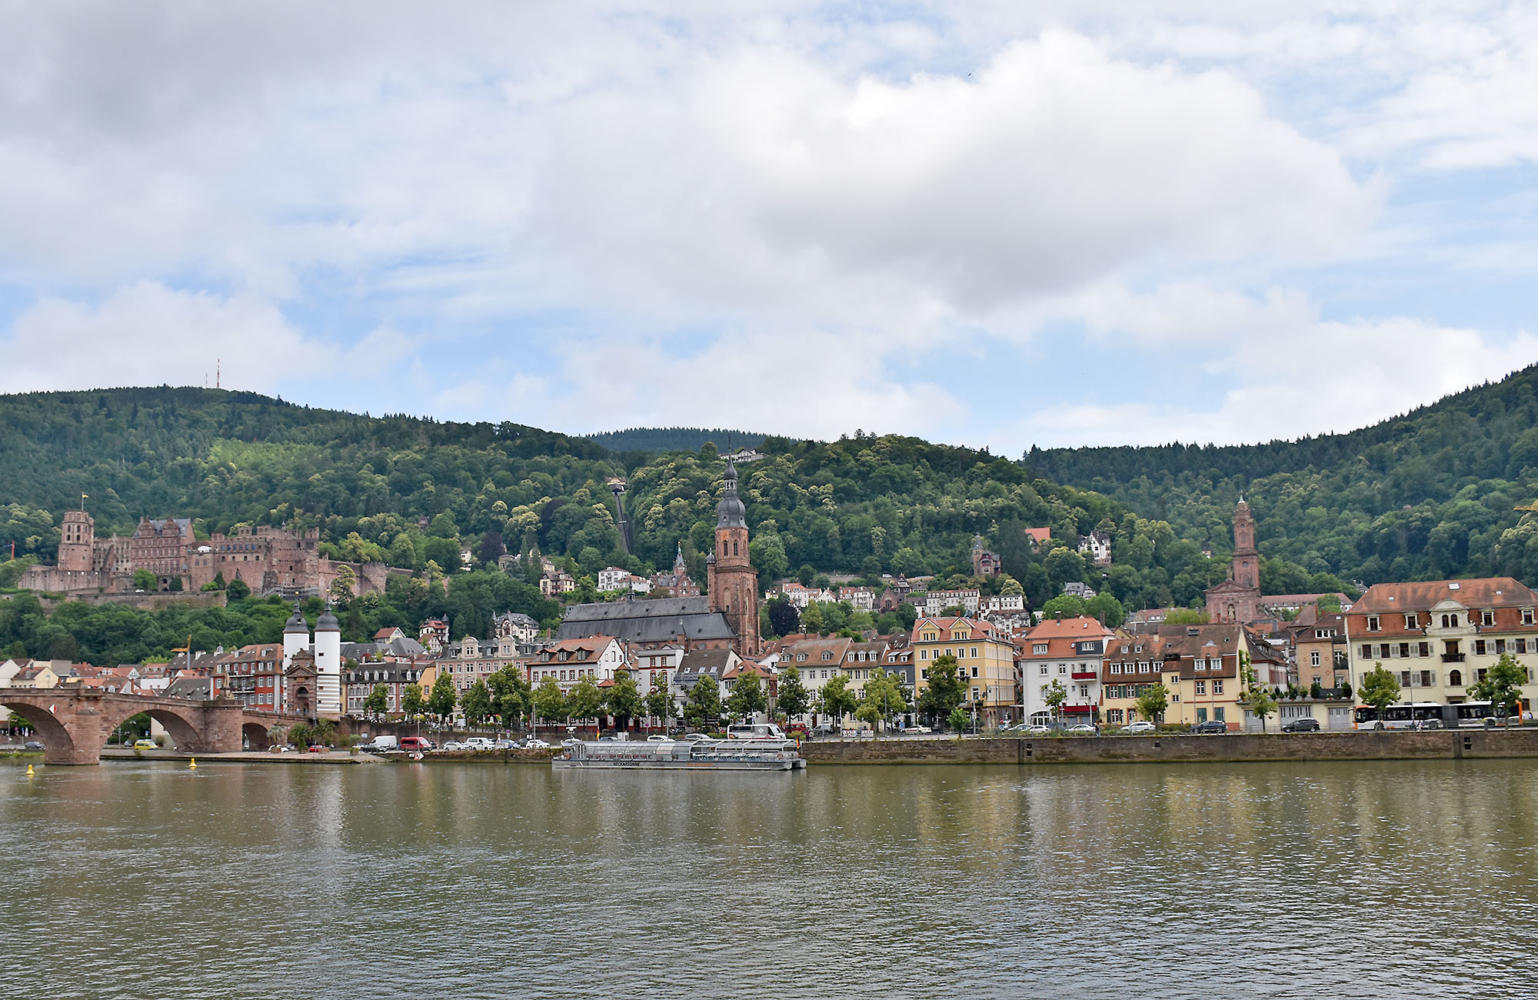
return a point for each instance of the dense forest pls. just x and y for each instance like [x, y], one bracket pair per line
[655, 440]
[1426, 495]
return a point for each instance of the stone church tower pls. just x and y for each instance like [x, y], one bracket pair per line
[732, 581]
[1246, 559]
[1237, 599]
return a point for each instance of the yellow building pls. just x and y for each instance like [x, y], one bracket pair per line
[985, 661]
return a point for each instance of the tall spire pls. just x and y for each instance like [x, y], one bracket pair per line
[730, 512]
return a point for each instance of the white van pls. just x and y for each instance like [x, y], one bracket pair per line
[756, 731]
[381, 744]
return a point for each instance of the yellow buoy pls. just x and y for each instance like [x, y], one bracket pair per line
[192, 765]
[29, 770]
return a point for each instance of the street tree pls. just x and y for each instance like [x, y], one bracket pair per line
[1257, 697]
[747, 697]
[703, 706]
[511, 695]
[836, 700]
[944, 692]
[377, 702]
[413, 702]
[1502, 686]
[476, 703]
[882, 698]
[794, 699]
[1054, 695]
[1152, 702]
[660, 704]
[1380, 689]
[585, 700]
[958, 720]
[549, 700]
[624, 699]
[442, 699]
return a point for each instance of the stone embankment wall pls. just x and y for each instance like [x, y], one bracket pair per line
[1443, 745]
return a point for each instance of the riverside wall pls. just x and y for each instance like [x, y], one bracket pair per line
[1181, 748]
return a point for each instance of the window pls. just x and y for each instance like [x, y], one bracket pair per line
[1500, 646]
[1313, 658]
[1521, 645]
[1366, 651]
[1217, 686]
[1201, 664]
[1426, 679]
[974, 672]
[1201, 687]
[1412, 621]
[1404, 649]
[1527, 616]
[1039, 647]
[1487, 618]
[1404, 678]
[974, 652]
[1372, 623]
[1043, 670]
[1425, 649]
[1217, 714]
[1479, 647]
[1062, 668]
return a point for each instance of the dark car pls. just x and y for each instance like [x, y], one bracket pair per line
[1301, 726]
[32, 745]
[1210, 726]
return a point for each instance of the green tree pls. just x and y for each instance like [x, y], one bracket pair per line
[882, 698]
[143, 580]
[1054, 695]
[585, 700]
[1257, 697]
[1063, 605]
[945, 690]
[958, 720]
[377, 702]
[794, 699]
[747, 697]
[703, 705]
[836, 700]
[811, 619]
[442, 699]
[237, 590]
[511, 695]
[1380, 689]
[1152, 702]
[413, 703]
[549, 700]
[1185, 616]
[1106, 609]
[660, 704]
[783, 616]
[1502, 686]
[624, 699]
[476, 703]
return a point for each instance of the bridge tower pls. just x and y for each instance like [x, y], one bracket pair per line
[328, 665]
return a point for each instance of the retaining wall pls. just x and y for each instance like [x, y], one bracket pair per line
[1389, 745]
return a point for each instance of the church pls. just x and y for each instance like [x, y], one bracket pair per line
[1237, 599]
[725, 618]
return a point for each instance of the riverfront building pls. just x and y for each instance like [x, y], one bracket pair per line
[986, 663]
[1065, 651]
[1439, 637]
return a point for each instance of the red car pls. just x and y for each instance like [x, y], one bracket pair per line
[416, 744]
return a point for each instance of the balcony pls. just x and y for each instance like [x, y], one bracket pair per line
[1452, 657]
[1085, 675]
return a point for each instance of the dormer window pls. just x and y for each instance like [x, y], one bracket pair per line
[1372, 623]
[1412, 621]
[1487, 618]
[1527, 616]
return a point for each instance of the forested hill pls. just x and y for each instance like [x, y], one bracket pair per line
[1424, 495]
[414, 492]
[656, 440]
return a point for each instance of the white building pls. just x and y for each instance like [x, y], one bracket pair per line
[1066, 651]
[936, 601]
[613, 578]
[326, 648]
[1005, 603]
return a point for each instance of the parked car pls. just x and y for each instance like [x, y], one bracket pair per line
[504, 744]
[382, 744]
[32, 745]
[1210, 726]
[480, 743]
[1037, 729]
[146, 744]
[1138, 726]
[416, 744]
[659, 738]
[1307, 725]
[919, 730]
[697, 737]
[1083, 728]
[569, 741]
[317, 748]
[535, 743]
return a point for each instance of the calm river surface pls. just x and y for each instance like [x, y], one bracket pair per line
[148, 880]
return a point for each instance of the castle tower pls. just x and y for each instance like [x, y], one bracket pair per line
[77, 536]
[1246, 559]
[730, 575]
[328, 665]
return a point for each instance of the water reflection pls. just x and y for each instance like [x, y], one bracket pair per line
[1326, 880]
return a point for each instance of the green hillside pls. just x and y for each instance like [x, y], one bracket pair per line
[1422, 496]
[656, 440]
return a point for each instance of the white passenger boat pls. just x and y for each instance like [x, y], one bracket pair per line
[704, 755]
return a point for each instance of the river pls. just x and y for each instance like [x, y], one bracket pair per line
[144, 880]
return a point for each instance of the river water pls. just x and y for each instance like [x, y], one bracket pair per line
[1383, 879]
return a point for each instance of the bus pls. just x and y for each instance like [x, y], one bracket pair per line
[1475, 715]
[1398, 716]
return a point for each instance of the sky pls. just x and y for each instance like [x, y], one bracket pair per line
[994, 223]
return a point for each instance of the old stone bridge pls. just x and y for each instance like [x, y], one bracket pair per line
[74, 723]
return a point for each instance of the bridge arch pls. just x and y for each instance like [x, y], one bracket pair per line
[184, 730]
[255, 735]
[58, 744]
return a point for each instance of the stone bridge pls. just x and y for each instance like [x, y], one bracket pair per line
[74, 723]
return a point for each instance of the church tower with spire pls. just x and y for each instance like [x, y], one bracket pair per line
[730, 576]
[1246, 559]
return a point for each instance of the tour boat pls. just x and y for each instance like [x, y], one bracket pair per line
[703, 755]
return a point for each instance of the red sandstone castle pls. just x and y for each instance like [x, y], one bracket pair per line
[268, 560]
